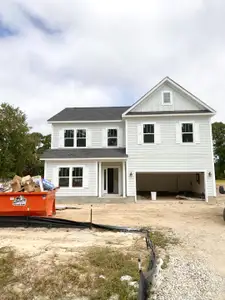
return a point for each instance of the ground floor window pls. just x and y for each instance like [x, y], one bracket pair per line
[64, 177]
[70, 177]
[77, 177]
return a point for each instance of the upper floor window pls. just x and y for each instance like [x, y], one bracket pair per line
[149, 133]
[81, 138]
[187, 132]
[112, 136]
[64, 177]
[166, 98]
[69, 138]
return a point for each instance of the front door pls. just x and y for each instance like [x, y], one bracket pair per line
[110, 180]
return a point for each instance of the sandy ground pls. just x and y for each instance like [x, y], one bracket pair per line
[199, 225]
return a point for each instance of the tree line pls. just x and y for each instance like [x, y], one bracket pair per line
[20, 149]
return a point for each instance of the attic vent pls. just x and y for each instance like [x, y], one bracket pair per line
[166, 98]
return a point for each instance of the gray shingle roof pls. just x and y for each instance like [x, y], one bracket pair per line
[141, 113]
[90, 114]
[85, 153]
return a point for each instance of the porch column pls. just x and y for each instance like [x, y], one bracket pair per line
[124, 179]
[99, 179]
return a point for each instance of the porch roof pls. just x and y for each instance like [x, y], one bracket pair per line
[84, 153]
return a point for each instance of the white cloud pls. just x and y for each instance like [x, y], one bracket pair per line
[109, 52]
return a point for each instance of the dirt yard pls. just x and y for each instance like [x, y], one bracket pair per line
[199, 225]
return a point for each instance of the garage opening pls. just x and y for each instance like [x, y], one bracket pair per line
[170, 185]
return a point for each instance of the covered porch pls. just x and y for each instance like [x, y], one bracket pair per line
[111, 177]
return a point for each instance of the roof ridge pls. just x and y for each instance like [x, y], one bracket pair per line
[122, 106]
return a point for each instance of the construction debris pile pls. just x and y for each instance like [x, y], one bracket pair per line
[26, 184]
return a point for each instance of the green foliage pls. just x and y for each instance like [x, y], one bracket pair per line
[19, 149]
[218, 130]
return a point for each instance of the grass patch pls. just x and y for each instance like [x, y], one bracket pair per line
[23, 279]
[162, 240]
[112, 264]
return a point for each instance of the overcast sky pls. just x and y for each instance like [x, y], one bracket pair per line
[58, 53]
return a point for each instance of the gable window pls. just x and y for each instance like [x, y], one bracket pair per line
[112, 135]
[166, 98]
[148, 133]
[77, 177]
[187, 133]
[64, 177]
[81, 138]
[69, 138]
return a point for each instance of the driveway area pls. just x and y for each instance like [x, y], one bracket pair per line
[197, 265]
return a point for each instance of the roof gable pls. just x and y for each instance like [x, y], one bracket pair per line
[188, 102]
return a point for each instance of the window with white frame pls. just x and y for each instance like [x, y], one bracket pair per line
[112, 137]
[71, 177]
[148, 133]
[167, 98]
[64, 177]
[69, 138]
[77, 177]
[81, 137]
[187, 130]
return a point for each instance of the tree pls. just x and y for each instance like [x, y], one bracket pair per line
[218, 130]
[38, 143]
[14, 149]
[20, 150]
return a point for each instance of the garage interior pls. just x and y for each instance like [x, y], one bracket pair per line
[170, 185]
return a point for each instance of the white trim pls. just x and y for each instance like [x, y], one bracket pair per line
[167, 79]
[171, 98]
[99, 179]
[172, 171]
[212, 156]
[75, 122]
[94, 158]
[96, 179]
[127, 177]
[124, 178]
[45, 170]
[126, 136]
[168, 115]
[206, 187]
[135, 185]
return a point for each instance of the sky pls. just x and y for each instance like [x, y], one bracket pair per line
[66, 53]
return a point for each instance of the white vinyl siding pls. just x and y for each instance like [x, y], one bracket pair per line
[89, 177]
[96, 134]
[170, 154]
[179, 101]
